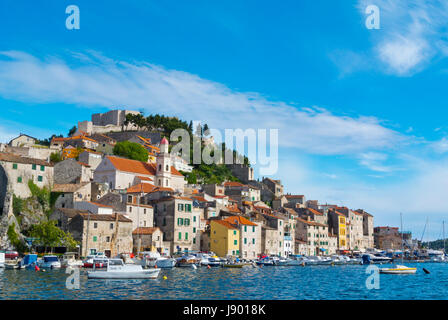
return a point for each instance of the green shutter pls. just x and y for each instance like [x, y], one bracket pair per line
[234, 232]
[245, 240]
[19, 179]
[39, 178]
[186, 235]
[235, 242]
[194, 230]
[245, 228]
[180, 235]
[253, 240]
[14, 165]
[95, 238]
[42, 168]
[33, 167]
[194, 240]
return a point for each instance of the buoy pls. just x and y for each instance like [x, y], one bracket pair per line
[155, 266]
[426, 271]
[36, 268]
[208, 267]
[165, 277]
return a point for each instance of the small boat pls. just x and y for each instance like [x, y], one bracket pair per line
[152, 259]
[399, 269]
[49, 262]
[266, 261]
[99, 261]
[318, 260]
[187, 261]
[69, 260]
[28, 262]
[2, 259]
[233, 265]
[117, 269]
[369, 258]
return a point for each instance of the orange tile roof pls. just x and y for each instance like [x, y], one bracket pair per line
[315, 211]
[144, 230]
[240, 220]
[134, 166]
[225, 224]
[312, 223]
[162, 189]
[141, 187]
[233, 184]
[144, 178]
[291, 196]
[200, 199]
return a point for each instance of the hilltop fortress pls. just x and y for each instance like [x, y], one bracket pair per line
[106, 122]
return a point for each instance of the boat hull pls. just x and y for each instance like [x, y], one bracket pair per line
[398, 271]
[144, 274]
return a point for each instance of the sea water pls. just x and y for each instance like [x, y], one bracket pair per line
[285, 283]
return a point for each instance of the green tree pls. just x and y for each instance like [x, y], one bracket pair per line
[131, 150]
[72, 131]
[50, 236]
[55, 157]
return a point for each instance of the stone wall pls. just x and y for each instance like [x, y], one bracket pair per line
[67, 171]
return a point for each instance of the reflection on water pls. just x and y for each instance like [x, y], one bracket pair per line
[316, 282]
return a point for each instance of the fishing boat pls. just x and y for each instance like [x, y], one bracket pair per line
[69, 260]
[49, 262]
[399, 269]
[117, 269]
[95, 261]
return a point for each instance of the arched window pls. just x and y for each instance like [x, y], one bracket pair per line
[160, 167]
[167, 168]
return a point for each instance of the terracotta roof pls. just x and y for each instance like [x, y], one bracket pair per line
[134, 166]
[233, 184]
[104, 217]
[144, 178]
[183, 198]
[141, 187]
[68, 187]
[240, 220]
[145, 230]
[100, 204]
[312, 223]
[292, 196]
[9, 157]
[315, 211]
[225, 224]
[200, 199]
[233, 209]
[156, 189]
[341, 214]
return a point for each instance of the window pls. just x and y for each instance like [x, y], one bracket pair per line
[253, 240]
[14, 165]
[42, 168]
[194, 230]
[253, 229]
[234, 232]
[187, 222]
[180, 222]
[19, 179]
[194, 218]
[33, 167]
[235, 242]
[194, 240]
[111, 226]
[95, 238]
[129, 198]
[245, 228]
[167, 168]
[180, 235]
[186, 235]
[95, 225]
[180, 207]
[130, 209]
[39, 178]
[107, 239]
[245, 240]
[188, 207]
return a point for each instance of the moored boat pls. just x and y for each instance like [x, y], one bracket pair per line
[49, 262]
[117, 269]
[398, 269]
[2, 259]
[69, 260]
[187, 261]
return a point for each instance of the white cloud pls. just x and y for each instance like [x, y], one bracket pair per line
[89, 79]
[373, 161]
[412, 33]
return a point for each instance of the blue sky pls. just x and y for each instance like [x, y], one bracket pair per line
[361, 113]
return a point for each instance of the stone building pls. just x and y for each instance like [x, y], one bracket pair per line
[250, 236]
[71, 193]
[148, 239]
[386, 238]
[316, 236]
[174, 216]
[108, 233]
[23, 140]
[243, 172]
[72, 171]
[17, 171]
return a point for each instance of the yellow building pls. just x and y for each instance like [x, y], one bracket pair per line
[342, 227]
[70, 152]
[224, 238]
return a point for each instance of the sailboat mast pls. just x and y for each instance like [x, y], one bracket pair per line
[443, 224]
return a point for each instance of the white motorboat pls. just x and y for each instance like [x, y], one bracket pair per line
[69, 260]
[288, 262]
[117, 269]
[49, 262]
[2, 259]
[187, 261]
[399, 269]
[338, 259]
[318, 260]
[152, 259]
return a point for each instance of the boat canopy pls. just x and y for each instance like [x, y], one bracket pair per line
[50, 259]
[30, 258]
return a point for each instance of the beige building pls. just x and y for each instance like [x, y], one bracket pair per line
[23, 140]
[174, 216]
[148, 239]
[316, 236]
[71, 193]
[108, 233]
[19, 170]
[250, 236]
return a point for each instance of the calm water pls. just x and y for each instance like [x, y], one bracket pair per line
[313, 282]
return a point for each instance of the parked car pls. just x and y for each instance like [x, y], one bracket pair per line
[11, 255]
